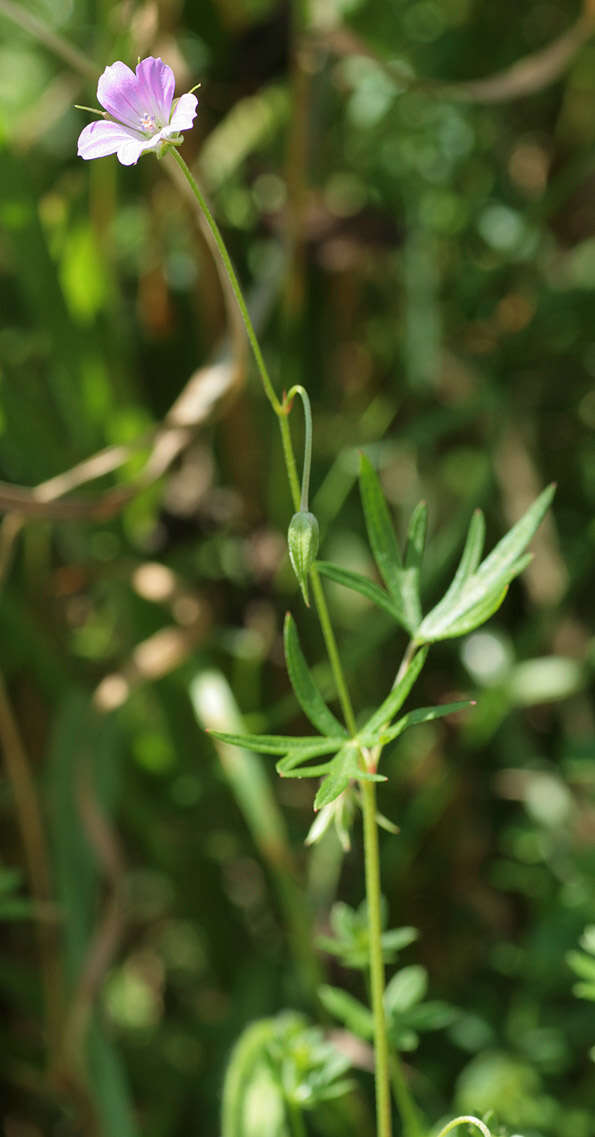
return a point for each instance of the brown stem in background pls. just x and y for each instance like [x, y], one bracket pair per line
[108, 931]
[22, 783]
[525, 77]
[203, 393]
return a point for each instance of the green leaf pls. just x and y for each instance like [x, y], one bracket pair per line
[416, 537]
[414, 551]
[478, 615]
[243, 1074]
[280, 744]
[344, 766]
[422, 714]
[398, 938]
[584, 991]
[289, 767]
[402, 601]
[405, 989]
[361, 584]
[348, 1010]
[476, 593]
[394, 701]
[433, 1015]
[583, 965]
[307, 693]
[470, 558]
[381, 534]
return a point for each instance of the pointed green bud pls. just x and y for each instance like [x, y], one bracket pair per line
[302, 538]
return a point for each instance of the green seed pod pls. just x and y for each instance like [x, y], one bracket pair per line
[302, 538]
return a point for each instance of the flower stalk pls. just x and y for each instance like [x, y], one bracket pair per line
[377, 983]
[371, 854]
[237, 291]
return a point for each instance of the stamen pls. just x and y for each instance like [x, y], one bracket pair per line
[147, 121]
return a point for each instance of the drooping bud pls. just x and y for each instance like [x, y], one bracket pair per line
[302, 538]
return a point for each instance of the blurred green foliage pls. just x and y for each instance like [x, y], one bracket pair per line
[424, 263]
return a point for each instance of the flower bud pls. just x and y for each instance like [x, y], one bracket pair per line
[302, 538]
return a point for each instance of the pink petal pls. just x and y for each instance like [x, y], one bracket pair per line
[117, 91]
[155, 85]
[184, 113]
[101, 138]
[130, 150]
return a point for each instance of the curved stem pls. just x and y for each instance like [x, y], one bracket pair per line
[465, 1121]
[301, 391]
[235, 284]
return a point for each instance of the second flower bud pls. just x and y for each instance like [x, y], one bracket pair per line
[303, 539]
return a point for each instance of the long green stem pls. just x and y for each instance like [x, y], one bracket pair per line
[233, 280]
[333, 651]
[383, 1102]
[382, 1071]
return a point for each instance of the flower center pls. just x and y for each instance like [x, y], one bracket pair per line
[148, 122]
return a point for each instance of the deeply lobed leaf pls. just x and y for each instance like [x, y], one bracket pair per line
[476, 593]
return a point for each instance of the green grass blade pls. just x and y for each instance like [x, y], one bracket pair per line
[247, 777]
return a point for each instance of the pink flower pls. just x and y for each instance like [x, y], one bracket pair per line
[139, 113]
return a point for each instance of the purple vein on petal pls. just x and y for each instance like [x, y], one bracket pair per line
[101, 138]
[116, 92]
[156, 84]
